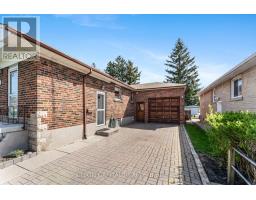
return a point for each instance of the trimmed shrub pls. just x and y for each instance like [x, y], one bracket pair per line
[233, 129]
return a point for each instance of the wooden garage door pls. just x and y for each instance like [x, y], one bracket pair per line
[164, 109]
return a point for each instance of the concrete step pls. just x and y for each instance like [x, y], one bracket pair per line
[107, 131]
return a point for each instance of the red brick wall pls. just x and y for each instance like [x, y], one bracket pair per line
[117, 109]
[4, 92]
[172, 92]
[59, 91]
[27, 89]
[205, 101]
[27, 79]
[48, 86]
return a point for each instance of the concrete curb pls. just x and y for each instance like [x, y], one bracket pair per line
[200, 168]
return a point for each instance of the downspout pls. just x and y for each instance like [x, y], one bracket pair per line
[84, 106]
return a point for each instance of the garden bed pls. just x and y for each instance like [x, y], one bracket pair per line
[15, 157]
[215, 171]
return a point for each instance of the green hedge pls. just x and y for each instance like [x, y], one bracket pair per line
[233, 129]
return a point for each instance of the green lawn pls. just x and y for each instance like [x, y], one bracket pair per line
[199, 139]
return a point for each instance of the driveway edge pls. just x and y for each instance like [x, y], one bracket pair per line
[200, 168]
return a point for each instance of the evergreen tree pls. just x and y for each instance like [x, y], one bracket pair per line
[93, 65]
[117, 68]
[123, 70]
[181, 68]
[132, 73]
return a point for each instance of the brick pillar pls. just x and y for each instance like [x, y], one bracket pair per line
[37, 131]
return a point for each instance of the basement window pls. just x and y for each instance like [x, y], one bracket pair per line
[118, 93]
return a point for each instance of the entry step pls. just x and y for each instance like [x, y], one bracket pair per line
[107, 131]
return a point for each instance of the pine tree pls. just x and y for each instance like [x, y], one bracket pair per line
[117, 68]
[93, 65]
[132, 73]
[123, 70]
[181, 68]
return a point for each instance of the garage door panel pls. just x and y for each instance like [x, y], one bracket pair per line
[174, 115]
[175, 108]
[164, 109]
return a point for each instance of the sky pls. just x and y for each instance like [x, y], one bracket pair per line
[218, 42]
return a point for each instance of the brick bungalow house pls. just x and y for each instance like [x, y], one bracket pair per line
[234, 91]
[61, 99]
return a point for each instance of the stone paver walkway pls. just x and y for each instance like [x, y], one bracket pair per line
[137, 154]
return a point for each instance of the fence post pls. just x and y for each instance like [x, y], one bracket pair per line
[231, 162]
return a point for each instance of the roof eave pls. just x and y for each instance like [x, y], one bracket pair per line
[161, 88]
[238, 69]
[95, 71]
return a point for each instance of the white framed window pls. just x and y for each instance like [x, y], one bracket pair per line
[118, 93]
[100, 105]
[13, 91]
[236, 87]
[214, 97]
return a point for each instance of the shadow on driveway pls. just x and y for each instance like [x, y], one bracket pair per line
[149, 126]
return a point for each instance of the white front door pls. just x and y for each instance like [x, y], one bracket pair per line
[100, 113]
[13, 91]
[219, 107]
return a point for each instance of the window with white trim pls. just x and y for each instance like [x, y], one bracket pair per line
[13, 91]
[118, 93]
[237, 85]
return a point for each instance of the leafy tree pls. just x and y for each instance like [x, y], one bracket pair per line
[123, 70]
[181, 68]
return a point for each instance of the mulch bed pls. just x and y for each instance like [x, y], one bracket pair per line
[214, 170]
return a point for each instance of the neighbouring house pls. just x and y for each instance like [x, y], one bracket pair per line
[234, 91]
[53, 99]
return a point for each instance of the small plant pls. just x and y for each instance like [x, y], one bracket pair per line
[15, 154]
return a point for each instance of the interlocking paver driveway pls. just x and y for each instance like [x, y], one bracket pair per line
[137, 154]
